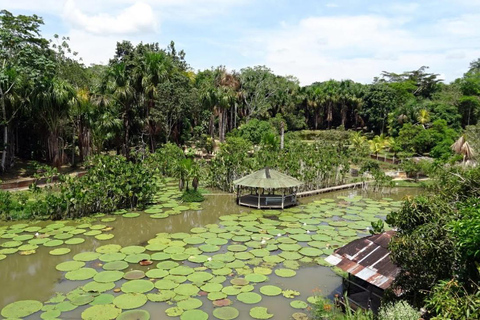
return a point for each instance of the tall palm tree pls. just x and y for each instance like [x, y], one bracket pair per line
[53, 104]
[122, 91]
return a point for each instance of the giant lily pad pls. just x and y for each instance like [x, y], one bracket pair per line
[311, 252]
[249, 297]
[101, 312]
[130, 300]
[86, 256]
[59, 251]
[137, 286]
[81, 274]
[156, 273]
[134, 315]
[226, 313]
[108, 276]
[270, 290]
[187, 289]
[21, 309]
[189, 304]
[253, 277]
[134, 275]
[115, 265]
[70, 265]
[94, 286]
[285, 273]
[194, 315]
[298, 304]
[260, 313]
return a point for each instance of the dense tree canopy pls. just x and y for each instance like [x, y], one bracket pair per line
[55, 109]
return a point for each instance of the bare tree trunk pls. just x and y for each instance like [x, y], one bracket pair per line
[282, 135]
[5, 131]
[220, 125]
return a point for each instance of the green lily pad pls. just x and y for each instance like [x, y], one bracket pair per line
[75, 241]
[194, 315]
[115, 265]
[51, 314]
[269, 290]
[59, 251]
[181, 271]
[253, 277]
[65, 306]
[130, 300]
[249, 297]
[109, 248]
[156, 273]
[189, 304]
[53, 243]
[102, 299]
[136, 258]
[80, 298]
[311, 252]
[285, 273]
[104, 236]
[131, 215]
[108, 276]
[167, 265]
[81, 274]
[70, 265]
[260, 313]
[199, 277]
[2, 256]
[298, 304]
[165, 284]
[226, 313]
[94, 286]
[133, 250]
[21, 309]
[137, 286]
[162, 296]
[86, 256]
[213, 296]
[212, 287]
[134, 315]
[134, 275]
[209, 248]
[174, 312]
[290, 294]
[187, 289]
[262, 270]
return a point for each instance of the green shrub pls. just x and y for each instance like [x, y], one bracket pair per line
[192, 196]
[400, 310]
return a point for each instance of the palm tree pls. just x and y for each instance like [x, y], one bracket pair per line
[423, 117]
[121, 89]
[53, 103]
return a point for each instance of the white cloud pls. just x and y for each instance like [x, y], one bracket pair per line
[360, 48]
[137, 18]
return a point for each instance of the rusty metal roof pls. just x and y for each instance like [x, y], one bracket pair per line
[367, 258]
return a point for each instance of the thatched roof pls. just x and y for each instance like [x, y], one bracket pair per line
[268, 179]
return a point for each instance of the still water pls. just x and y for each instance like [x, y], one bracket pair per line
[35, 277]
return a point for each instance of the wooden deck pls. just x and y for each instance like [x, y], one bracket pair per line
[267, 201]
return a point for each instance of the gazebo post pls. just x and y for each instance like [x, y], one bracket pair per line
[283, 199]
[258, 191]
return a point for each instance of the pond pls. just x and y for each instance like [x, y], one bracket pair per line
[215, 252]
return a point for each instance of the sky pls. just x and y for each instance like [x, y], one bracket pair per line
[313, 40]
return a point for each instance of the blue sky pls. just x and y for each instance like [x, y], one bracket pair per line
[311, 40]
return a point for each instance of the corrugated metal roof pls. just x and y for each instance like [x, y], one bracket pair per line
[268, 179]
[368, 258]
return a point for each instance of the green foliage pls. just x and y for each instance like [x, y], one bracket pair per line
[254, 131]
[377, 227]
[192, 196]
[110, 183]
[437, 239]
[400, 310]
[325, 309]
[450, 300]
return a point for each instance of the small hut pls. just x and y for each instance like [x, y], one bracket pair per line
[267, 189]
[370, 270]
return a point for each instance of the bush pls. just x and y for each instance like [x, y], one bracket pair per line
[400, 310]
[192, 196]
[111, 183]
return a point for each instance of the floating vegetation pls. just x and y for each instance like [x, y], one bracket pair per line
[222, 265]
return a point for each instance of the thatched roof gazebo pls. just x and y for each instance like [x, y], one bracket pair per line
[258, 189]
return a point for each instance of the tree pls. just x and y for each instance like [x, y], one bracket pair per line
[25, 61]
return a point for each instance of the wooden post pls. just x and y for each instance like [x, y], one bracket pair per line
[258, 191]
[283, 199]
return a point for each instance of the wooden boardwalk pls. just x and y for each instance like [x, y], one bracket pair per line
[329, 189]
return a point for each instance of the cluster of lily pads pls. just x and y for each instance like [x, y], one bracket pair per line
[25, 239]
[222, 264]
